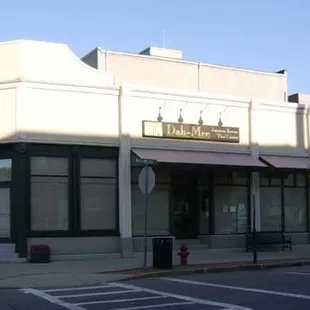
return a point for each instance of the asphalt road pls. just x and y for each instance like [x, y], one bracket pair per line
[285, 289]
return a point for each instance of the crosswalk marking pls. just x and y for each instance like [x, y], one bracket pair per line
[95, 294]
[238, 288]
[165, 299]
[76, 288]
[183, 297]
[117, 300]
[158, 306]
[52, 299]
[299, 273]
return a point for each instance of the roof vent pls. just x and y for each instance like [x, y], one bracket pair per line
[162, 52]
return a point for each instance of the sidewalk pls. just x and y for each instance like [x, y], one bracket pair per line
[95, 271]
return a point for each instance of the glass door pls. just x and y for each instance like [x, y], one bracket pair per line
[5, 216]
[204, 217]
[185, 209]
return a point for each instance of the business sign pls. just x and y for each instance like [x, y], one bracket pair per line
[152, 129]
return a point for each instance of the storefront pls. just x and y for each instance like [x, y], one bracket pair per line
[203, 201]
[204, 195]
[5, 194]
[210, 173]
[58, 153]
[284, 197]
[69, 136]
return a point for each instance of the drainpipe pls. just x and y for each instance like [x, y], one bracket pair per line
[106, 61]
[199, 76]
[308, 130]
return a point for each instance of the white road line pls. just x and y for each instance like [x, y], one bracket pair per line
[238, 288]
[181, 297]
[117, 300]
[52, 299]
[75, 288]
[96, 294]
[158, 306]
[300, 273]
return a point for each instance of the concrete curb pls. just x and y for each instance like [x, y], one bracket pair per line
[202, 270]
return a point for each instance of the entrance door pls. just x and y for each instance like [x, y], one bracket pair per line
[5, 218]
[186, 208]
[204, 217]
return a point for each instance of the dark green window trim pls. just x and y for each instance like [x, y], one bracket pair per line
[70, 233]
[74, 155]
[281, 174]
[78, 190]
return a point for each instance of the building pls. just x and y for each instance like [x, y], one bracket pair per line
[166, 69]
[225, 139]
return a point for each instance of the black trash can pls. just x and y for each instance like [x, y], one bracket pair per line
[162, 253]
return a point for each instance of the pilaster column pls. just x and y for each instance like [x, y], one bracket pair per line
[308, 132]
[125, 211]
[20, 209]
[308, 149]
[254, 148]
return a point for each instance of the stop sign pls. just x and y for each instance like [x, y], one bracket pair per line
[146, 180]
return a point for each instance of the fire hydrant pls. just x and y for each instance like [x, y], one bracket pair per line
[183, 253]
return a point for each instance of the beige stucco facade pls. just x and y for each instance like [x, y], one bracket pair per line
[37, 96]
[49, 96]
[166, 70]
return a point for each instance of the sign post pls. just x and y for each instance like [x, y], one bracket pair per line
[254, 232]
[146, 195]
[146, 184]
[146, 162]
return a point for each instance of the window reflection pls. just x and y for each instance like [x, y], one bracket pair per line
[270, 209]
[231, 202]
[5, 169]
[286, 193]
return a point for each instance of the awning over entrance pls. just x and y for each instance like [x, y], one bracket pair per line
[198, 157]
[286, 162]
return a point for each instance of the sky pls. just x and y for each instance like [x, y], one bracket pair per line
[267, 35]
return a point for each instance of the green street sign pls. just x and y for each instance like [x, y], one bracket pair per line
[145, 161]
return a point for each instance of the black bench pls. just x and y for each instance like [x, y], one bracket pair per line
[268, 240]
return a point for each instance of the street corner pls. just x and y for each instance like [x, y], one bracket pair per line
[241, 290]
[125, 296]
[178, 270]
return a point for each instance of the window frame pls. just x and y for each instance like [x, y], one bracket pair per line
[74, 154]
[79, 220]
[247, 185]
[282, 174]
[59, 176]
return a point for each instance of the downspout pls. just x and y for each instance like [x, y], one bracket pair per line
[106, 61]
[308, 131]
[199, 76]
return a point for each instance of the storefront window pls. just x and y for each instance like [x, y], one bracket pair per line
[289, 180]
[158, 204]
[98, 194]
[300, 180]
[289, 196]
[270, 208]
[264, 179]
[49, 194]
[277, 181]
[231, 204]
[295, 209]
[295, 205]
[5, 170]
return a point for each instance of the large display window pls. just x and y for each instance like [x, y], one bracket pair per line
[231, 202]
[283, 202]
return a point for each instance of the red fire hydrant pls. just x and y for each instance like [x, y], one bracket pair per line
[183, 253]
